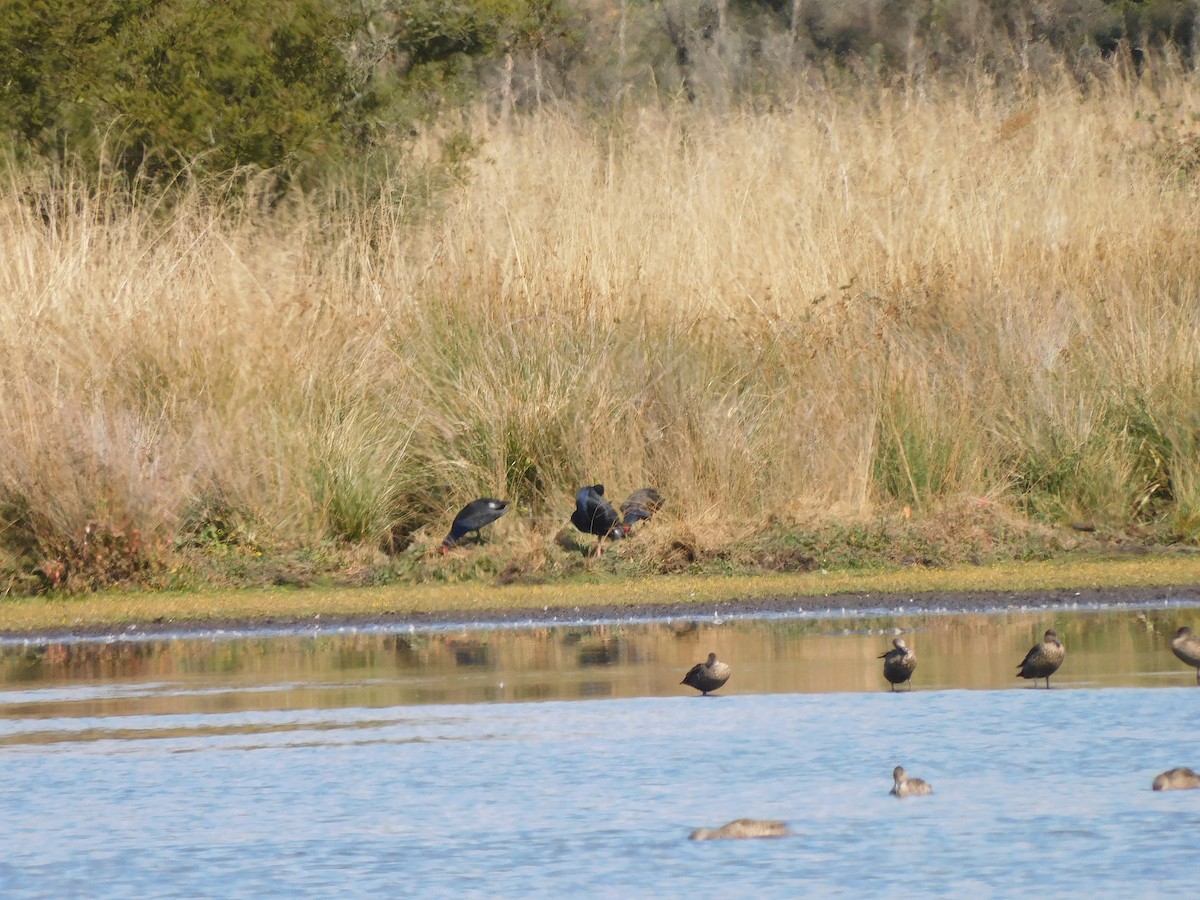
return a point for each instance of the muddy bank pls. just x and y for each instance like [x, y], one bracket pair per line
[832, 604]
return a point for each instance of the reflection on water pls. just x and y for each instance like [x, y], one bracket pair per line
[974, 651]
[365, 765]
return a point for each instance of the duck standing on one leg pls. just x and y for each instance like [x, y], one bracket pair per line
[707, 676]
[898, 664]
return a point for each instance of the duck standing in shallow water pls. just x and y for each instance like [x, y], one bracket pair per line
[707, 676]
[1043, 659]
[1176, 780]
[472, 517]
[898, 664]
[1186, 646]
[908, 787]
[742, 828]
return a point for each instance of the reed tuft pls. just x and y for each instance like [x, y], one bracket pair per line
[866, 298]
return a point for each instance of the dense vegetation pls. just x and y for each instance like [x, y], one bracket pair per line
[851, 283]
[157, 88]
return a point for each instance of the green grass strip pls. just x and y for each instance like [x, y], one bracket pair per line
[31, 615]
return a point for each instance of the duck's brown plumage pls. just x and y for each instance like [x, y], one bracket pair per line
[742, 828]
[1176, 780]
[898, 664]
[707, 676]
[1186, 646]
[908, 787]
[1043, 659]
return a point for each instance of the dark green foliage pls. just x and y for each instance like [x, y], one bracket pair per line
[162, 87]
[441, 53]
[155, 88]
[152, 86]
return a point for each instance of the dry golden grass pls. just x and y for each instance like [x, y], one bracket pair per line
[875, 296]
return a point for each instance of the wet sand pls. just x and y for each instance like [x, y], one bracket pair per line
[832, 604]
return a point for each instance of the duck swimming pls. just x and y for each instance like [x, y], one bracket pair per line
[742, 828]
[908, 787]
[1176, 780]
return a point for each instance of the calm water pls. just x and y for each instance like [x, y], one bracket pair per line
[538, 762]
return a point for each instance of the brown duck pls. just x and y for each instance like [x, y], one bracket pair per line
[908, 787]
[1176, 780]
[1186, 646]
[707, 676]
[742, 828]
[1043, 659]
[898, 664]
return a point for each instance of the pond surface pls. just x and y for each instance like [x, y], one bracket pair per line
[368, 764]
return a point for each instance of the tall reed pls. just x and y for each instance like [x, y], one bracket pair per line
[890, 294]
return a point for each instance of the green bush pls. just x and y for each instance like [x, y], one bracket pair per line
[153, 86]
[156, 88]
[163, 87]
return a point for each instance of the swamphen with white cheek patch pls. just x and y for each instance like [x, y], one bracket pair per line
[472, 517]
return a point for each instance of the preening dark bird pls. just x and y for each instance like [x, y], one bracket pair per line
[472, 517]
[1043, 659]
[898, 664]
[1186, 646]
[642, 504]
[595, 515]
[707, 676]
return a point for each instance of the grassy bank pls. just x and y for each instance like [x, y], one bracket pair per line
[470, 599]
[865, 300]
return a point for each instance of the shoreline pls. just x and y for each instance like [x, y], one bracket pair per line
[835, 605]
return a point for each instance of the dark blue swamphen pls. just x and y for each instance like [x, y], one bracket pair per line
[595, 515]
[472, 517]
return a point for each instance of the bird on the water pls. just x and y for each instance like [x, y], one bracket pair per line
[595, 515]
[641, 504]
[742, 828]
[1043, 659]
[1186, 646]
[707, 676]
[472, 517]
[1176, 780]
[898, 664]
[908, 787]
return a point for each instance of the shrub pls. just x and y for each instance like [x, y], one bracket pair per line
[151, 87]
